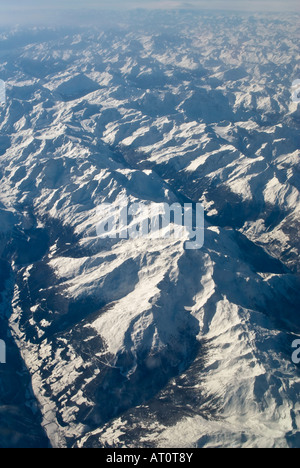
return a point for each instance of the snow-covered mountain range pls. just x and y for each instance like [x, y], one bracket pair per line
[141, 343]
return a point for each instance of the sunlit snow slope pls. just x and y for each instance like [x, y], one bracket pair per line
[141, 343]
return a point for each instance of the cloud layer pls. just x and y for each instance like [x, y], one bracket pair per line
[33, 11]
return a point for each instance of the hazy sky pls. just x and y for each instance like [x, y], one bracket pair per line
[24, 11]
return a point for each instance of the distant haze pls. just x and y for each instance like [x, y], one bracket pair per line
[34, 11]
